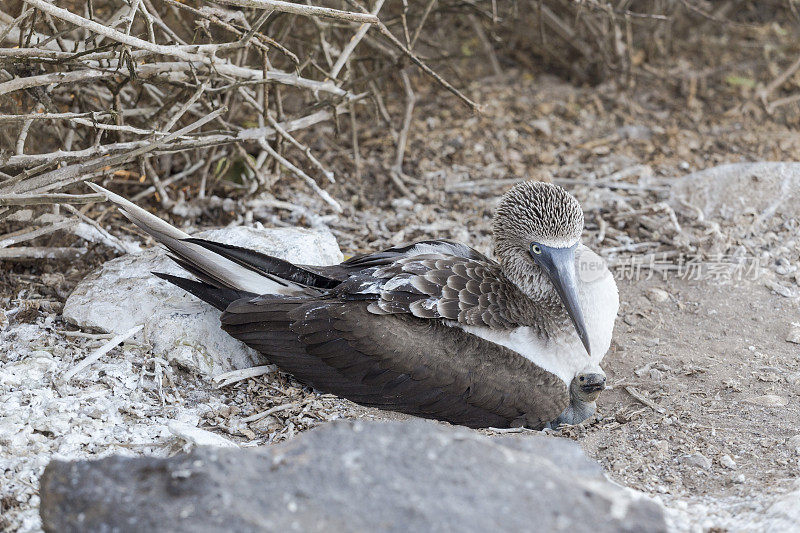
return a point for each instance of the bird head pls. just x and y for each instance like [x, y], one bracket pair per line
[584, 389]
[587, 386]
[537, 228]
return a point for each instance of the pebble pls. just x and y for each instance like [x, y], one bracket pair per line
[630, 319]
[767, 400]
[657, 295]
[727, 462]
[697, 459]
[794, 333]
[794, 443]
[786, 292]
[655, 341]
[542, 126]
[25, 215]
[402, 203]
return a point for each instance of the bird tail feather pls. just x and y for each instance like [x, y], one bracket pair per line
[269, 265]
[213, 269]
[220, 298]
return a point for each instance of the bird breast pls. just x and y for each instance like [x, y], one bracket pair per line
[599, 299]
[561, 352]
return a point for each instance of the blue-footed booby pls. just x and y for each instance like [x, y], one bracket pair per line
[433, 328]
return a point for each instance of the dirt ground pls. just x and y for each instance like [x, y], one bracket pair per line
[718, 384]
[714, 358]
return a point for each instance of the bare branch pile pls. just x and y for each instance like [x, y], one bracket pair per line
[177, 100]
[172, 93]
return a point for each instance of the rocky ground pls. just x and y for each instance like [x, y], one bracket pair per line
[705, 369]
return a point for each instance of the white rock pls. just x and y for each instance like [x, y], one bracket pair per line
[784, 513]
[727, 462]
[697, 459]
[199, 437]
[23, 215]
[28, 371]
[180, 327]
[657, 295]
[794, 444]
[542, 126]
[767, 400]
[794, 333]
[727, 191]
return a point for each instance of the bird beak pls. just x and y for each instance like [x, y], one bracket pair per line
[592, 384]
[559, 265]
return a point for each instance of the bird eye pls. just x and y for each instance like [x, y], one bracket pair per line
[536, 249]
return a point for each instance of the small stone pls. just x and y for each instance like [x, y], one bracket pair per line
[727, 462]
[767, 400]
[542, 126]
[786, 292]
[739, 479]
[794, 443]
[768, 377]
[655, 341]
[657, 295]
[794, 333]
[198, 436]
[402, 203]
[697, 459]
[264, 424]
[24, 215]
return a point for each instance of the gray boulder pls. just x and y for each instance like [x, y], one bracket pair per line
[726, 192]
[123, 293]
[351, 476]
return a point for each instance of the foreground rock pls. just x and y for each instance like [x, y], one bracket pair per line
[351, 476]
[123, 293]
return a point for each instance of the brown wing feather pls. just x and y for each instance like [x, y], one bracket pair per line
[398, 362]
[469, 290]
